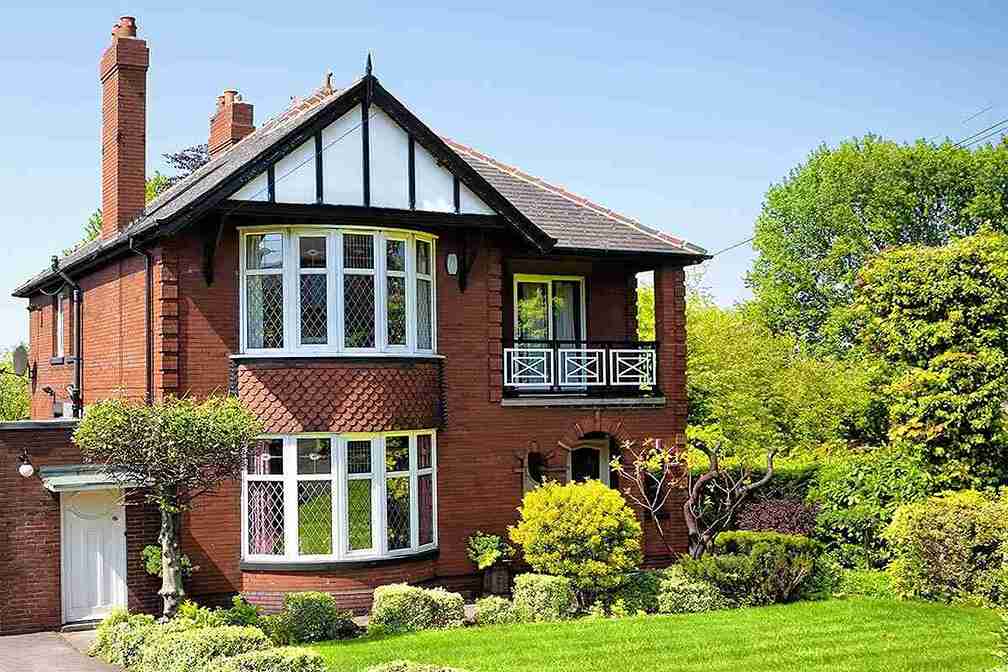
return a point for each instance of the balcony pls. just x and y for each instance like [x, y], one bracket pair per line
[581, 370]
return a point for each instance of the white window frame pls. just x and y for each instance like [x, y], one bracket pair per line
[335, 273]
[59, 349]
[339, 478]
[548, 281]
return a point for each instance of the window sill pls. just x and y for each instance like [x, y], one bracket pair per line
[57, 360]
[329, 565]
[574, 401]
[340, 356]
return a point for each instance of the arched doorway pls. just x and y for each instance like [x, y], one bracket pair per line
[590, 458]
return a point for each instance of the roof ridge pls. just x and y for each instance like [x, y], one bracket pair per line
[518, 173]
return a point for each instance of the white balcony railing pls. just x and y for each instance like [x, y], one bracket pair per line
[589, 368]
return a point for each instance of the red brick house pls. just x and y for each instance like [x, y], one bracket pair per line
[424, 331]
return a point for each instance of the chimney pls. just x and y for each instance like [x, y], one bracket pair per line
[231, 122]
[124, 127]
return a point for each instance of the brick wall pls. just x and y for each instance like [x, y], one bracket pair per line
[481, 443]
[30, 535]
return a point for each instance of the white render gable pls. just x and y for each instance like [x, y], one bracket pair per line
[342, 171]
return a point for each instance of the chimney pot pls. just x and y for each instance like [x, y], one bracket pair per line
[231, 122]
[126, 27]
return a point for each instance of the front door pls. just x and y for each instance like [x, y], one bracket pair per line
[94, 553]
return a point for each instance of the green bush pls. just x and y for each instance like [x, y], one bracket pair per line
[241, 613]
[681, 594]
[857, 495]
[191, 615]
[152, 562]
[486, 550]
[636, 595]
[409, 666]
[583, 531]
[495, 610]
[120, 637]
[403, 608]
[278, 627]
[758, 568]
[952, 548]
[283, 659]
[871, 583]
[314, 617]
[192, 649]
[539, 597]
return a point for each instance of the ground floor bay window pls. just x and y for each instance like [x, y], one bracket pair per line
[332, 497]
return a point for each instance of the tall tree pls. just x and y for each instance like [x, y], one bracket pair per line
[846, 204]
[938, 317]
[174, 451]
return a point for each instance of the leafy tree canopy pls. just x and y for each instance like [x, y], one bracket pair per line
[752, 392]
[849, 203]
[938, 317]
[15, 401]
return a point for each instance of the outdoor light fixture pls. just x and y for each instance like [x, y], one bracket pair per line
[451, 263]
[26, 468]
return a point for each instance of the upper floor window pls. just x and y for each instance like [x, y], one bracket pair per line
[311, 290]
[59, 349]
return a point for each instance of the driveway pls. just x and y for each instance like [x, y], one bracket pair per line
[49, 652]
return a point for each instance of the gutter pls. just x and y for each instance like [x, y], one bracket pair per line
[148, 319]
[77, 397]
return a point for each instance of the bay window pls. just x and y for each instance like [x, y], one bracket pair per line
[330, 291]
[330, 497]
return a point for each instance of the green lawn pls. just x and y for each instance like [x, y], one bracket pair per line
[838, 635]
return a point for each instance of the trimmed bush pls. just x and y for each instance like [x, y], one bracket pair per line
[241, 613]
[758, 568]
[680, 594]
[404, 608]
[120, 637]
[870, 583]
[283, 659]
[495, 611]
[538, 597]
[314, 617]
[193, 649]
[952, 548]
[638, 594]
[787, 516]
[409, 666]
[278, 628]
[582, 531]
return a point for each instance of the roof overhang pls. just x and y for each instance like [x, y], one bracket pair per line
[77, 477]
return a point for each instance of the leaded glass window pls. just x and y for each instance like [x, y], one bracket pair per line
[395, 292]
[425, 301]
[312, 281]
[317, 498]
[264, 296]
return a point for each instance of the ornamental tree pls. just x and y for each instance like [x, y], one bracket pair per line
[175, 451]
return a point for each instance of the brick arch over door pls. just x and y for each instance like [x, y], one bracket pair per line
[596, 422]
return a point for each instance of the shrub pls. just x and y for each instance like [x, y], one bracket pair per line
[193, 649]
[314, 617]
[403, 608]
[409, 666]
[952, 548]
[486, 550]
[241, 613]
[637, 594]
[582, 531]
[756, 568]
[283, 659]
[191, 615]
[120, 637]
[278, 628]
[857, 495]
[539, 597]
[1001, 653]
[787, 516]
[495, 611]
[871, 583]
[680, 594]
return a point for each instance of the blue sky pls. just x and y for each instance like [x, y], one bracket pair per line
[679, 114]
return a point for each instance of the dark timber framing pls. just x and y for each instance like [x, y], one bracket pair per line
[457, 195]
[318, 167]
[255, 212]
[271, 183]
[412, 173]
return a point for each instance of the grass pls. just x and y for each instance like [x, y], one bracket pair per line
[838, 635]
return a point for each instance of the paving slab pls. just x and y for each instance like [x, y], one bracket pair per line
[47, 652]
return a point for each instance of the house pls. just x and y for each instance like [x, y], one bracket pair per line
[424, 331]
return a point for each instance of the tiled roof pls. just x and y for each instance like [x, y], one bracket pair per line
[574, 221]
